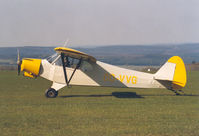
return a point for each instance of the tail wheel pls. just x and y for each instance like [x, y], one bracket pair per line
[51, 93]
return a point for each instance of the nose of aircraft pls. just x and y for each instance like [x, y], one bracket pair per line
[31, 67]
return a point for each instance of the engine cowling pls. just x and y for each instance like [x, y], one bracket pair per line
[31, 67]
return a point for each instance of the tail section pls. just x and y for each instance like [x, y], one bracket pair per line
[173, 70]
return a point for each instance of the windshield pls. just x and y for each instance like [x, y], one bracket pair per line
[52, 57]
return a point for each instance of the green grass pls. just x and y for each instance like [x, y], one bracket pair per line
[96, 111]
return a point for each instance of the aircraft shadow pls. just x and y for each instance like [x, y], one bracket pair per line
[114, 94]
[126, 95]
[170, 95]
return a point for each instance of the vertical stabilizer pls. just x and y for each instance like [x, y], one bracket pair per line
[173, 70]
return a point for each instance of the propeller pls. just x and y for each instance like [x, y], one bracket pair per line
[18, 62]
[66, 42]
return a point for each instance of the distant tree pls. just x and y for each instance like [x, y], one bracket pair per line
[193, 62]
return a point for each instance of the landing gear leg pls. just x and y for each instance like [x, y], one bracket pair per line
[51, 93]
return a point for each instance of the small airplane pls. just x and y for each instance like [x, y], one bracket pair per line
[71, 67]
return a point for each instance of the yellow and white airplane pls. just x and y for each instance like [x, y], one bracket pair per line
[71, 67]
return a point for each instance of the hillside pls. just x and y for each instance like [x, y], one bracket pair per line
[118, 55]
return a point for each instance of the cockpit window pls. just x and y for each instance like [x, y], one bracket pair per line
[69, 61]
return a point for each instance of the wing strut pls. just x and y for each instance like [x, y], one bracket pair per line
[64, 64]
[77, 66]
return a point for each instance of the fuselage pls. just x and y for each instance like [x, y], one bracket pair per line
[99, 74]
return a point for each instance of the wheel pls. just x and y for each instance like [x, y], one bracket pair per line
[51, 93]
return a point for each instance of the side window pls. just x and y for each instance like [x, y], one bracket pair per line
[70, 62]
[86, 66]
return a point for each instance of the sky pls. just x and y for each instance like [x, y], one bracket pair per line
[98, 22]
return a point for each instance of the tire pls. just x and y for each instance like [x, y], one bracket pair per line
[51, 93]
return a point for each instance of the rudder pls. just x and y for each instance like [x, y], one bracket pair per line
[180, 76]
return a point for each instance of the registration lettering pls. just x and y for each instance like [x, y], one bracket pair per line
[130, 79]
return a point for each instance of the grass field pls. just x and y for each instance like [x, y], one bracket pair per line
[96, 111]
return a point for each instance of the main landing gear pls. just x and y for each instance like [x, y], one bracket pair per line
[51, 93]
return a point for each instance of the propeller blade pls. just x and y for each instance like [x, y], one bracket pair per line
[19, 69]
[18, 57]
[18, 62]
[66, 42]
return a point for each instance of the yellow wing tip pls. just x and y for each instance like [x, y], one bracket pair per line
[180, 77]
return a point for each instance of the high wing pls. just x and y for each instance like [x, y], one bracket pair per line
[75, 54]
